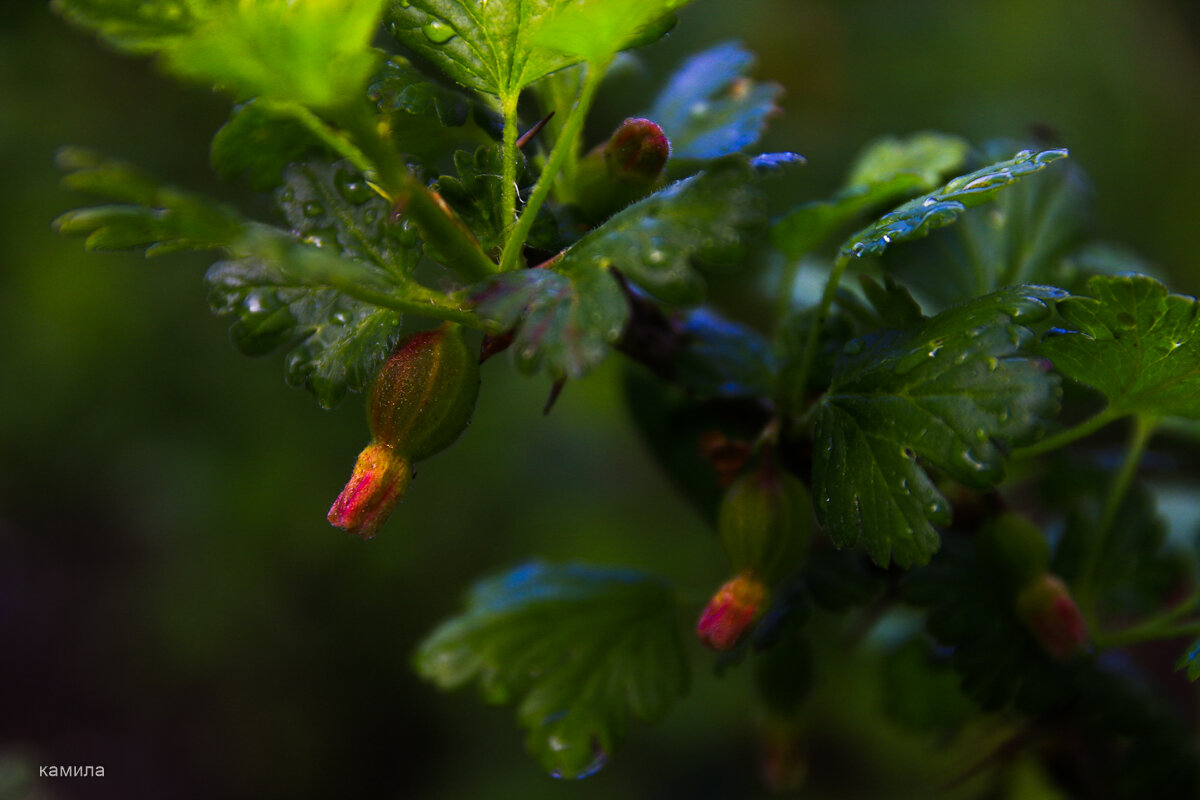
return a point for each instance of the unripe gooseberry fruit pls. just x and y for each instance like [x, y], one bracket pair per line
[421, 401]
[765, 522]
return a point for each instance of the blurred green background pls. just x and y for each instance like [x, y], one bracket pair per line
[174, 606]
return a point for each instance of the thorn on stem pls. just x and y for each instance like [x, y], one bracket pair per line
[528, 135]
[555, 391]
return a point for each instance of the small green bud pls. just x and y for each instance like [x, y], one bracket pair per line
[1016, 547]
[765, 521]
[421, 401]
[424, 396]
[623, 170]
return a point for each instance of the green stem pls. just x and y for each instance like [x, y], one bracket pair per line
[420, 301]
[571, 129]
[1062, 438]
[508, 189]
[794, 387]
[1161, 626]
[1143, 429]
[449, 239]
[336, 141]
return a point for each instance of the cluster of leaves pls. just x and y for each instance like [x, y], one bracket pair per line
[901, 402]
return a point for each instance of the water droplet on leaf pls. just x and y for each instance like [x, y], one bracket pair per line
[438, 32]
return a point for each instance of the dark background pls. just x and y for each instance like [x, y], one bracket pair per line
[173, 605]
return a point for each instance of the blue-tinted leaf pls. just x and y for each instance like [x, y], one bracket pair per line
[888, 169]
[709, 109]
[919, 216]
[579, 649]
[725, 359]
[952, 391]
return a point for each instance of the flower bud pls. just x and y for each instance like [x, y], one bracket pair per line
[637, 151]
[765, 521]
[784, 754]
[420, 402]
[1047, 609]
[731, 612]
[378, 482]
[1016, 547]
[621, 171]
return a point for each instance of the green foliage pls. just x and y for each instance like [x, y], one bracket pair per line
[919, 216]
[161, 219]
[889, 168]
[704, 219]
[1032, 233]
[403, 199]
[1133, 342]
[954, 392]
[579, 649]
[708, 109]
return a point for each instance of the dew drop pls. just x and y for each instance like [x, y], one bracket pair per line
[437, 31]
[340, 317]
[352, 187]
[853, 348]
[313, 209]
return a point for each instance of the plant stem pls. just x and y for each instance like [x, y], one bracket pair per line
[1062, 438]
[440, 227]
[1162, 626]
[508, 188]
[336, 141]
[571, 128]
[1143, 429]
[794, 387]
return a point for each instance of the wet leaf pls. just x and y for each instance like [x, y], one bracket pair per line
[1133, 342]
[137, 26]
[954, 392]
[579, 649]
[919, 216]
[1031, 234]
[719, 358]
[259, 143]
[502, 46]
[708, 109]
[565, 319]
[888, 169]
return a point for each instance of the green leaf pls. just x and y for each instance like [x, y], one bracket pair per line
[332, 204]
[1031, 234]
[425, 119]
[565, 321]
[709, 109]
[161, 219]
[279, 293]
[317, 53]
[258, 143]
[580, 649]
[596, 30]
[1133, 342]
[502, 46]
[137, 26]
[953, 392]
[888, 169]
[339, 342]
[919, 216]
[656, 242]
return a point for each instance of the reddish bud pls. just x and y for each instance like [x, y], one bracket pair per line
[1047, 609]
[731, 612]
[421, 401]
[637, 151]
[784, 755]
[380, 477]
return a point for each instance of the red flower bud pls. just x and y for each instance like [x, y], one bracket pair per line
[380, 477]
[637, 151]
[1047, 609]
[731, 612]
[421, 401]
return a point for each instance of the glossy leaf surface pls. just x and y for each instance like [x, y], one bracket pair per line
[578, 649]
[1133, 342]
[953, 392]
